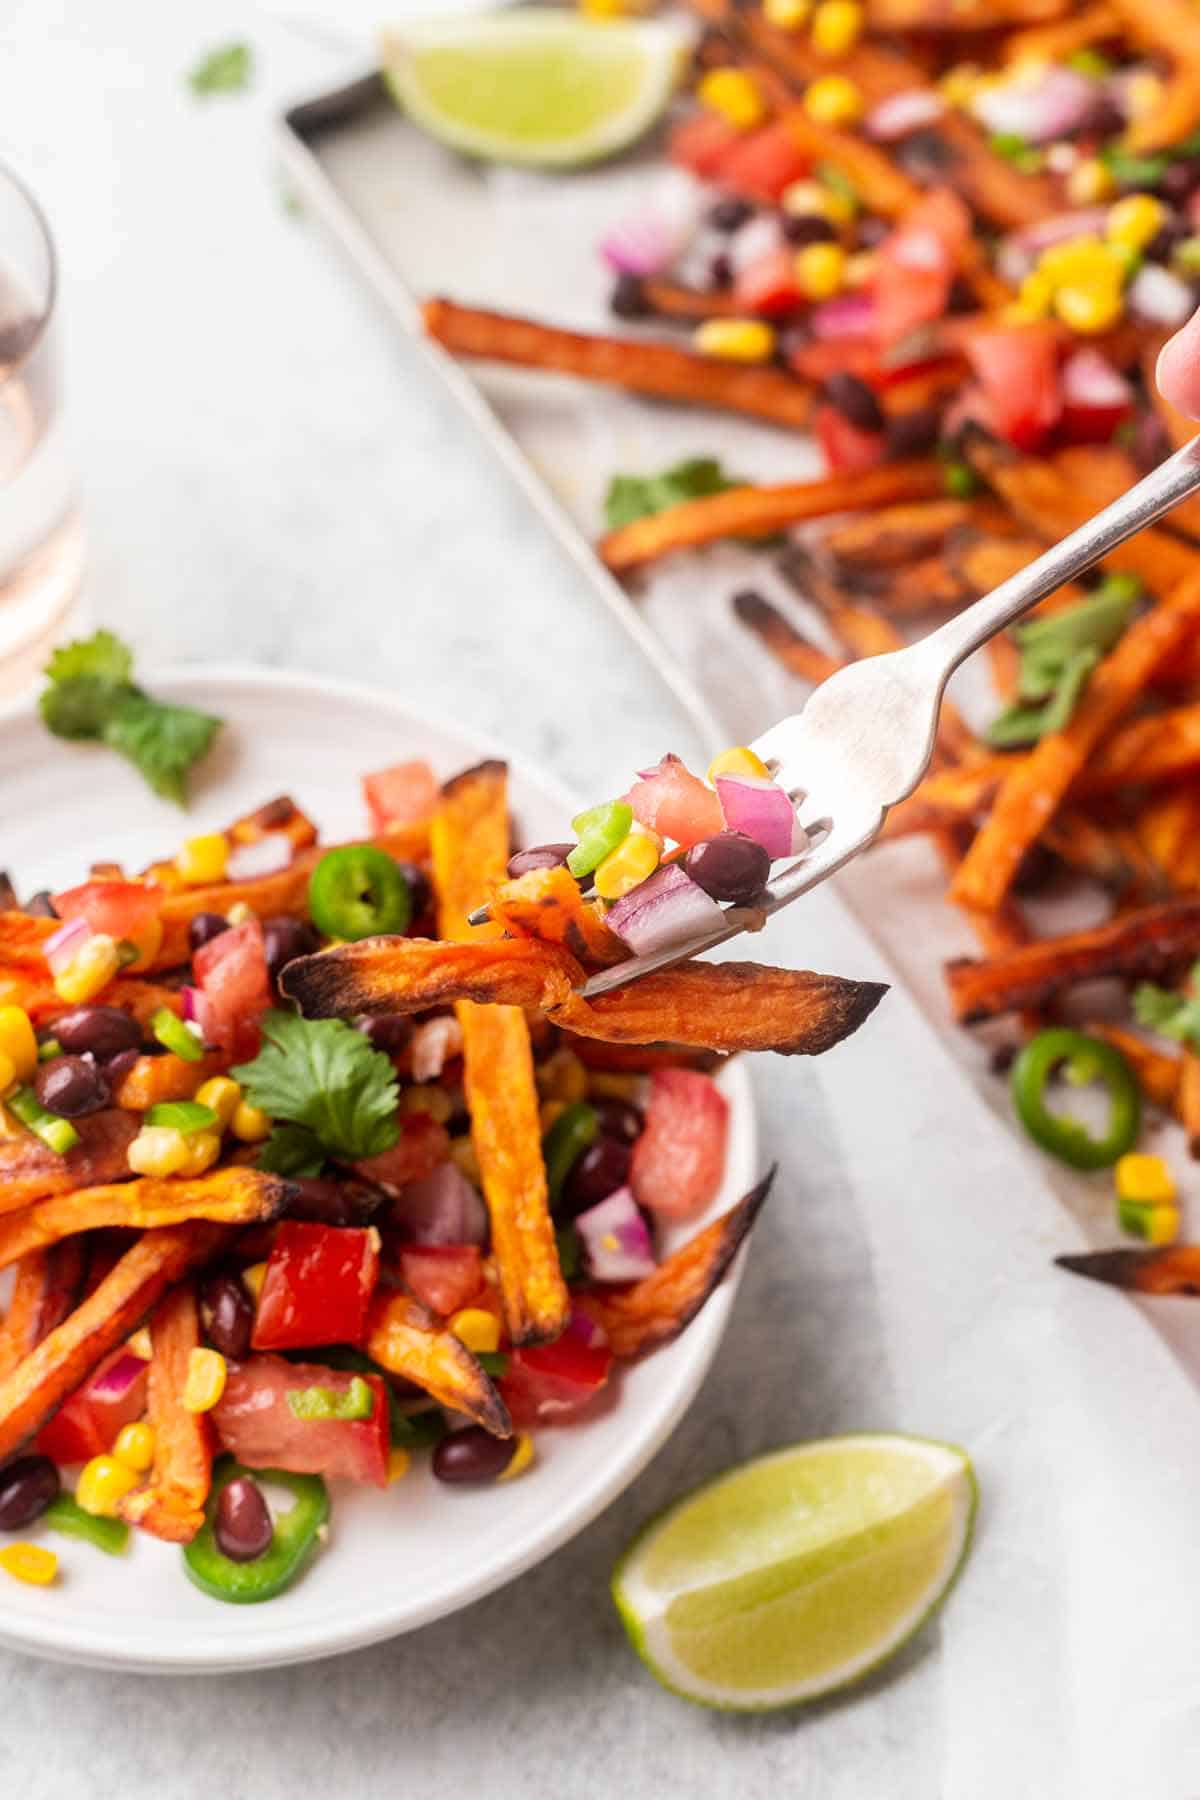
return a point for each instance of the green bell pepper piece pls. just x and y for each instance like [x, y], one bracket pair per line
[599, 830]
[1084, 1060]
[65, 1515]
[570, 1135]
[296, 1531]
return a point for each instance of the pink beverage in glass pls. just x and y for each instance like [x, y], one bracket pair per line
[41, 530]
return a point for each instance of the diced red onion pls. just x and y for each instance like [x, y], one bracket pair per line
[759, 237]
[1059, 103]
[1090, 382]
[434, 1042]
[1160, 297]
[585, 1330]
[64, 945]
[616, 1239]
[667, 908]
[1020, 250]
[442, 1209]
[189, 1001]
[910, 110]
[649, 241]
[849, 316]
[267, 856]
[114, 1382]
[1122, 85]
[761, 810]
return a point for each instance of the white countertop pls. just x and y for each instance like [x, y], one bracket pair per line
[269, 475]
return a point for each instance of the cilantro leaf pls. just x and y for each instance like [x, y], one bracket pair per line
[1022, 725]
[1170, 1014]
[92, 695]
[225, 70]
[1058, 655]
[633, 497]
[293, 1151]
[324, 1075]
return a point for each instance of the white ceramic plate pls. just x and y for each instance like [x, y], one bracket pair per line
[402, 1558]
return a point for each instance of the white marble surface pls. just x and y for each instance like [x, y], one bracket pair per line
[269, 475]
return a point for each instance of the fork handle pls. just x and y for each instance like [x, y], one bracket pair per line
[1164, 487]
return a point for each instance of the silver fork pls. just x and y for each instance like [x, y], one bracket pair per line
[865, 737]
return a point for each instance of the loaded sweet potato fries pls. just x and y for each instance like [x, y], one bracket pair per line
[246, 1240]
[949, 241]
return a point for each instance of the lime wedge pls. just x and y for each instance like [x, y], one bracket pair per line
[798, 1572]
[541, 87]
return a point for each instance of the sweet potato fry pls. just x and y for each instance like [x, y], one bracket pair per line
[1172, 29]
[1054, 42]
[60, 1362]
[46, 1285]
[641, 1059]
[30, 1170]
[1028, 799]
[153, 1079]
[1175, 1270]
[23, 939]
[758, 511]
[470, 851]
[1158, 1071]
[410, 974]
[662, 370]
[547, 904]
[781, 638]
[278, 817]
[171, 1504]
[232, 1196]
[1175, 117]
[404, 1338]
[893, 536]
[653, 1311]
[960, 15]
[1168, 828]
[870, 169]
[671, 300]
[23, 985]
[1144, 944]
[983, 563]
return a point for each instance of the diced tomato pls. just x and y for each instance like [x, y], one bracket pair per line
[405, 794]
[235, 989]
[1017, 370]
[423, 1146]
[254, 1421]
[845, 446]
[442, 1277]
[317, 1287]
[676, 804]
[88, 1421]
[768, 285]
[702, 143]
[680, 1157]
[125, 910]
[762, 163]
[1096, 397]
[917, 263]
[547, 1384]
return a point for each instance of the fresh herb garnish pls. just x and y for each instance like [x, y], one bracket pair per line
[322, 1074]
[633, 497]
[1058, 655]
[225, 70]
[92, 696]
[1173, 1015]
[293, 1152]
[1133, 171]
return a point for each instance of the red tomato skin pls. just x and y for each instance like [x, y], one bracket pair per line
[768, 285]
[317, 1287]
[676, 804]
[1017, 369]
[423, 1146]
[254, 1421]
[547, 1384]
[845, 447]
[235, 985]
[87, 1423]
[125, 910]
[443, 1277]
[679, 1159]
[404, 794]
[702, 143]
[762, 163]
[917, 263]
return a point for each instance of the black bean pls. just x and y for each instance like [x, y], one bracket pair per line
[730, 214]
[962, 298]
[808, 228]
[284, 940]
[27, 1487]
[326, 1201]
[227, 1313]
[72, 1086]
[854, 400]
[720, 271]
[913, 433]
[1181, 179]
[599, 1172]
[243, 1527]
[472, 1455]
[620, 1119]
[872, 231]
[117, 1067]
[628, 298]
[925, 156]
[714, 50]
[418, 886]
[541, 856]
[99, 1031]
[389, 1032]
[729, 866]
[204, 928]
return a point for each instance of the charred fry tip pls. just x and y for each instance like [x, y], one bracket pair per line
[852, 1003]
[491, 769]
[325, 986]
[1138, 1271]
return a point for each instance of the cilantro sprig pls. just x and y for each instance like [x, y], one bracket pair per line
[91, 695]
[1058, 655]
[336, 1095]
[631, 497]
[225, 70]
[1172, 1015]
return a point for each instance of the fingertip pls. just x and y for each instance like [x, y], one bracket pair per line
[1178, 371]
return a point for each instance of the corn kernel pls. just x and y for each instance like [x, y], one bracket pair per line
[1090, 182]
[241, 913]
[103, 1484]
[398, 1465]
[158, 1150]
[562, 1077]
[204, 1148]
[837, 26]
[520, 1459]
[833, 100]
[613, 9]
[1144, 1179]
[8, 1073]
[249, 1124]
[1143, 93]
[1135, 220]
[466, 1159]
[860, 269]
[18, 1042]
[427, 1098]
[735, 95]
[959, 85]
[635, 857]
[203, 860]
[1089, 309]
[1036, 294]
[31, 1563]
[739, 761]
[820, 270]
[611, 1084]
[135, 1446]
[477, 1329]
[787, 15]
[1082, 261]
[223, 1096]
[205, 1380]
[253, 1277]
[138, 1343]
[1153, 1224]
[90, 970]
[735, 340]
